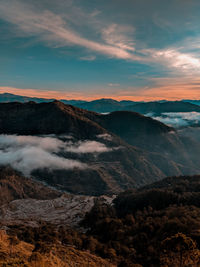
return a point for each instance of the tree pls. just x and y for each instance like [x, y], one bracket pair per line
[179, 250]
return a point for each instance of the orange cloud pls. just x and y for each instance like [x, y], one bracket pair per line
[165, 88]
[173, 88]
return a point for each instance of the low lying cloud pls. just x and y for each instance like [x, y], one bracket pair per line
[191, 132]
[46, 143]
[175, 122]
[28, 153]
[88, 147]
[178, 119]
[105, 136]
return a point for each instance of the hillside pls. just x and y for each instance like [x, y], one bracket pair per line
[47, 118]
[110, 153]
[117, 169]
[14, 185]
[153, 136]
[157, 225]
[143, 227]
[19, 253]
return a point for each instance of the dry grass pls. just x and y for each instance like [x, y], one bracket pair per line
[21, 254]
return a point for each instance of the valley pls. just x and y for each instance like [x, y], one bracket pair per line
[89, 176]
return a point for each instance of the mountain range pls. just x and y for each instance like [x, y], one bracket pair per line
[126, 149]
[85, 188]
[105, 105]
[168, 106]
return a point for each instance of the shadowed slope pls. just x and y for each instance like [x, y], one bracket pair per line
[13, 186]
[141, 150]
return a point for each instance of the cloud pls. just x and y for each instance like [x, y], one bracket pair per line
[192, 132]
[28, 153]
[175, 122]
[53, 29]
[169, 88]
[119, 35]
[190, 116]
[123, 34]
[49, 144]
[88, 58]
[183, 61]
[88, 147]
[57, 29]
[174, 58]
[178, 119]
[105, 136]
[113, 84]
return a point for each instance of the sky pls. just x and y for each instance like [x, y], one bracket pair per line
[141, 50]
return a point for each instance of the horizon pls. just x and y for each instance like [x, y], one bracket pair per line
[93, 99]
[135, 50]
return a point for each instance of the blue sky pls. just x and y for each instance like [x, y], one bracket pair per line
[124, 49]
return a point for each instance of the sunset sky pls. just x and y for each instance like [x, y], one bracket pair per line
[87, 49]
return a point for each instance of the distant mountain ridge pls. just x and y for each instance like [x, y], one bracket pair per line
[98, 105]
[7, 97]
[158, 108]
[106, 105]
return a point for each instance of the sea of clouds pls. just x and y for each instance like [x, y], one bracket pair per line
[28, 153]
[178, 119]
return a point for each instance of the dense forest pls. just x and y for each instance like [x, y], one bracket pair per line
[157, 225]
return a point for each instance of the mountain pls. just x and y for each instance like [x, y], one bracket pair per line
[47, 118]
[6, 97]
[153, 136]
[56, 214]
[158, 108]
[118, 168]
[128, 102]
[99, 105]
[105, 105]
[126, 149]
[196, 102]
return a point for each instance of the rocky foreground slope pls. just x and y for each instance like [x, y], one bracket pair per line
[29, 212]
[143, 227]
